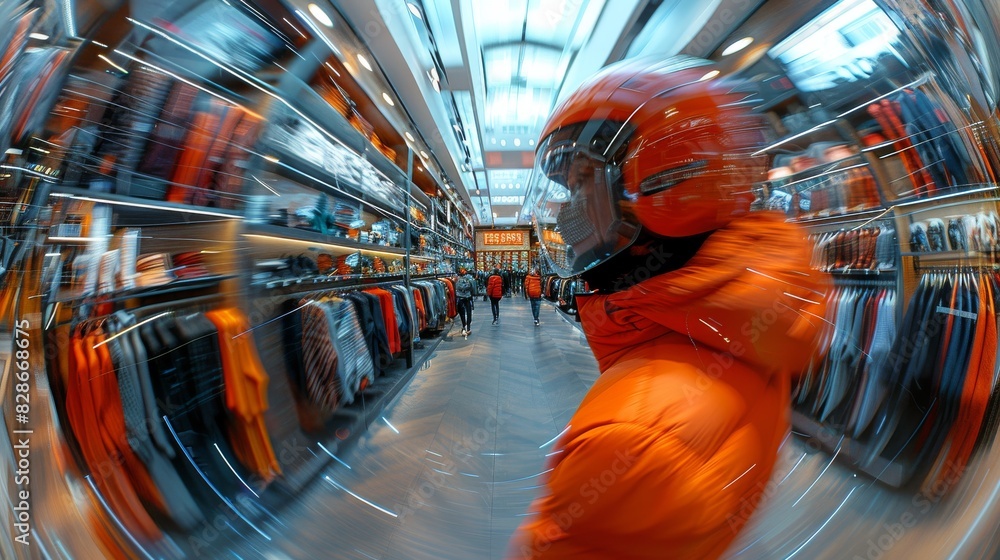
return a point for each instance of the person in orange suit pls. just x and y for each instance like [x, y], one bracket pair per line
[700, 314]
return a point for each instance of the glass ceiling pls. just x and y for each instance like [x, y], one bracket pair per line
[526, 48]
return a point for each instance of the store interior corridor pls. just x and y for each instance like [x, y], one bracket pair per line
[449, 470]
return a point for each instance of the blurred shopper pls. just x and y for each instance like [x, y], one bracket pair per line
[465, 290]
[494, 289]
[533, 289]
[650, 166]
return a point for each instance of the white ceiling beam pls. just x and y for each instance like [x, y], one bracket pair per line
[385, 27]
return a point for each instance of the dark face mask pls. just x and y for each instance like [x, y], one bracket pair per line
[649, 256]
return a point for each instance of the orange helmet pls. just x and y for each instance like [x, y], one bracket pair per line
[669, 147]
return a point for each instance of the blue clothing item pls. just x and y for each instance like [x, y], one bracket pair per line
[936, 235]
[536, 305]
[935, 138]
[957, 235]
[918, 238]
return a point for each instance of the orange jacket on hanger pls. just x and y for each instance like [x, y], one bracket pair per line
[389, 317]
[667, 451]
[92, 392]
[449, 286]
[245, 393]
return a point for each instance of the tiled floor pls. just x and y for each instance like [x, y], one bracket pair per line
[448, 473]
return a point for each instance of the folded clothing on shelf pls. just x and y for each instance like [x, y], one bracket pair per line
[153, 269]
[190, 265]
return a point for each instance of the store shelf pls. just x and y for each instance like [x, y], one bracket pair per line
[174, 287]
[949, 256]
[846, 218]
[800, 180]
[847, 450]
[862, 272]
[345, 245]
[293, 167]
[952, 198]
[133, 211]
[312, 105]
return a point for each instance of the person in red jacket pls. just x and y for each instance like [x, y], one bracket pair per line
[533, 289]
[701, 315]
[494, 289]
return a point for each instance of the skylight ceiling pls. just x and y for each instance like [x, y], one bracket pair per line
[526, 48]
[479, 78]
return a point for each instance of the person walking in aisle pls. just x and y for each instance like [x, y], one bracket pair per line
[465, 289]
[649, 169]
[533, 289]
[494, 289]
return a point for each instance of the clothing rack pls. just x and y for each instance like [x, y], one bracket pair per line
[202, 303]
[887, 280]
[353, 287]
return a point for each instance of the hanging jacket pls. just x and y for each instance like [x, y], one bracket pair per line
[667, 451]
[533, 286]
[494, 286]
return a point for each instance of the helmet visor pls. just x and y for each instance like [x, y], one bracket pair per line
[578, 200]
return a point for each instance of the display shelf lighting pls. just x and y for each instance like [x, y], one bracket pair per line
[364, 62]
[409, 136]
[320, 15]
[179, 209]
[709, 76]
[388, 99]
[424, 155]
[348, 248]
[737, 46]
[108, 60]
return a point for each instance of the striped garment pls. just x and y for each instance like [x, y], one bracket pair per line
[319, 357]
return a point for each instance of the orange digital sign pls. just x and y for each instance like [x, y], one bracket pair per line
[503, 238]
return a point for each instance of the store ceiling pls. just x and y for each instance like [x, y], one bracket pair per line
[479, 78]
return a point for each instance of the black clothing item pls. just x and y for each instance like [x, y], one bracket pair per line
[465, 312]
[292, 336]
[369, 313]
[495, 306]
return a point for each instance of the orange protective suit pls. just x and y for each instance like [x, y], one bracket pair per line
[672, 448]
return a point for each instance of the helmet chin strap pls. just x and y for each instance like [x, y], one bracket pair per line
[649, 256]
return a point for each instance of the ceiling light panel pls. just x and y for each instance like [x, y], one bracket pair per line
[319, 15]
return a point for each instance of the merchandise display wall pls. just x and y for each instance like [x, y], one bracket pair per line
[201, 203]
[885, 151]
[223, 273]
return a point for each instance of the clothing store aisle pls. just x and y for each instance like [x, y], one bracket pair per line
[449, 471]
